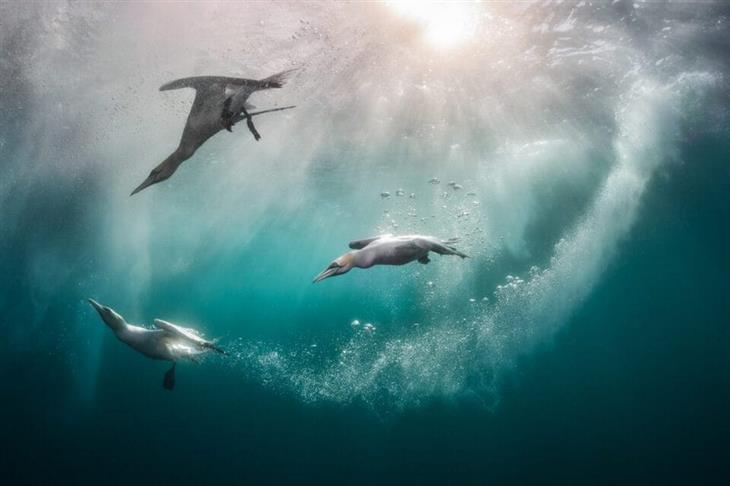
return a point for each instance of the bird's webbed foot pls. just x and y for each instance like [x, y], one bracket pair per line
[251, 127]
[168, 382]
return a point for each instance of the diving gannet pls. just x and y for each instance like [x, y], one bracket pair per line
[168, 342]
[388, 250]
[219, 103]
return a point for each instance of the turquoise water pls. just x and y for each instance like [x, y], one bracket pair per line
[585, 340]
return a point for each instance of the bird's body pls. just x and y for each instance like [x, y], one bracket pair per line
[398, 250]
[219, 103]
[167, 342]
[388, 250]
[161, 344]
[153, 343]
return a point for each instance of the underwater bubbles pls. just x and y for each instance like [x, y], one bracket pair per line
[467, 349]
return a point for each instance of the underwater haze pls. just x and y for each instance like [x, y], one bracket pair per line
[578, 150]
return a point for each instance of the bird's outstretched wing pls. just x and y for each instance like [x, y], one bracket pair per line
[186, 334]
[204, 82]
[360, 244]
[211, 93]
[201, 82]
[179, 331]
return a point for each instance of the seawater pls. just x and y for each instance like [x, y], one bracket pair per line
[584, 340]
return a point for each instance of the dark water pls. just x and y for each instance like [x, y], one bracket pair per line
[585, 340]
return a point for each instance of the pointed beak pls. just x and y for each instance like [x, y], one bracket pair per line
[325, 274]
[147, 182]
[96, 305]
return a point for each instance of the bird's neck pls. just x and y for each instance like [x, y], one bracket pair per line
[361, 259]
[183, 152]
[130, 333]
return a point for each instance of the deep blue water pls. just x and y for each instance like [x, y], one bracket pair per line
[595, 349]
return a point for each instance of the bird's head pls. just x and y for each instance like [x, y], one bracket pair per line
[158, 174]
[340, 265]
[109, 316]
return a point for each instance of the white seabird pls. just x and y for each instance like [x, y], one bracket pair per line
[168, 342]
[388, 250]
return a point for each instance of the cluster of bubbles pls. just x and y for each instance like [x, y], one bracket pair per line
[406, 212]
[459, 352]
[368, 327]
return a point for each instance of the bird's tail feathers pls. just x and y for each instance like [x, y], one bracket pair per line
[214, 347]
[448, 244]
[456, 252]
[277, 80]
[450, 250]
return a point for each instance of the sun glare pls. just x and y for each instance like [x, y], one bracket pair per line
[444, 23]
